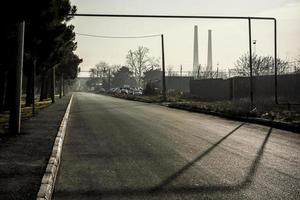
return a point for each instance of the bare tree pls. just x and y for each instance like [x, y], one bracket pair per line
[261, 65]
[297, 64]
[154, 63]
[102, 68]
[93, 73]
[114, 68]
[131, 61]
[170, 70]
[139, 61]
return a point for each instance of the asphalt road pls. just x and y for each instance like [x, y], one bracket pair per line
[118, 149]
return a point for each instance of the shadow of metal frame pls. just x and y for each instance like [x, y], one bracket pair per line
[161, 190]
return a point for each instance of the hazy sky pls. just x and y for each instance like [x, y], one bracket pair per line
[230, 37]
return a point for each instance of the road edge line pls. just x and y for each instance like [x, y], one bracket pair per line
[49, 178]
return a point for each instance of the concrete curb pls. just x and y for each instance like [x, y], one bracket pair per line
[48, 181]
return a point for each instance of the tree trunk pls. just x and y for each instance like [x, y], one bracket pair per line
[33, 85]
[47, 86]
[29, 85]
[53, 84]
[10, 88]
[44, 86]
[61, 85]
[3, 85]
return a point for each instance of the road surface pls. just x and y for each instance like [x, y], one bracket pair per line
[119, 149]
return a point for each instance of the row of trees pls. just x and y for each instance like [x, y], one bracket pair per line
[49, 44]
[142, 68]
[138, 63]
[261, 65]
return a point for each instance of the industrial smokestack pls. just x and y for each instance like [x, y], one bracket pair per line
[196, 58]
[209, 54]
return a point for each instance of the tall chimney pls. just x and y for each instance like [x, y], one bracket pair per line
[196, 59]
[209, 54]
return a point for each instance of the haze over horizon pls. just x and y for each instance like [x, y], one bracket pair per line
[229, 37]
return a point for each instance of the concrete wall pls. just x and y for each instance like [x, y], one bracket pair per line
[239, 87]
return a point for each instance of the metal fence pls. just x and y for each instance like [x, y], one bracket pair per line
[292, 68]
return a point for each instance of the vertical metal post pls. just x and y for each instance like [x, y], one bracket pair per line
[180, 70]
[15, 111]
[275, 61]
[163, 69]
[250, 63]
[109, 78]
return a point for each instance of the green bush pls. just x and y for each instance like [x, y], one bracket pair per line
[151, 90]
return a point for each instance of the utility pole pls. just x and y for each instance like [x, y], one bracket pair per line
[275, 62]
[103, 77]
[15, 110]
[217, 70]
[163, 69]
[109, 78]
[98, 80]
[250, 64]
[198, 72]
[180, 70]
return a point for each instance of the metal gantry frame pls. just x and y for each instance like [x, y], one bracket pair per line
[143, 36]
[214, 17]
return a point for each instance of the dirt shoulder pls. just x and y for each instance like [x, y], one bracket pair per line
[277, 117]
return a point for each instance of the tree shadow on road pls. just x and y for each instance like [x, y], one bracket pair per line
[161, 190]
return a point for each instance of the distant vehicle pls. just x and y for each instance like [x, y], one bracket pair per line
[116, 90]
[131, 91]
[124, 91]
[137, 92]
[110, 90]
[101, 90]
[126, 86]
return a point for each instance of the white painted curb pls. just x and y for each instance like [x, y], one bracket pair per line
[48, 181]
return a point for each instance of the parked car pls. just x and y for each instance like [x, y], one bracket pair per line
[101, 90]
[124, 91]
[137, 92]
[131, 91]
[117, 91]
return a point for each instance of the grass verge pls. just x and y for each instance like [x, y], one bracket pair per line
[264, 113]
[26, 113]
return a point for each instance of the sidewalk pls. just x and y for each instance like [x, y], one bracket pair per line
[23, 158]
